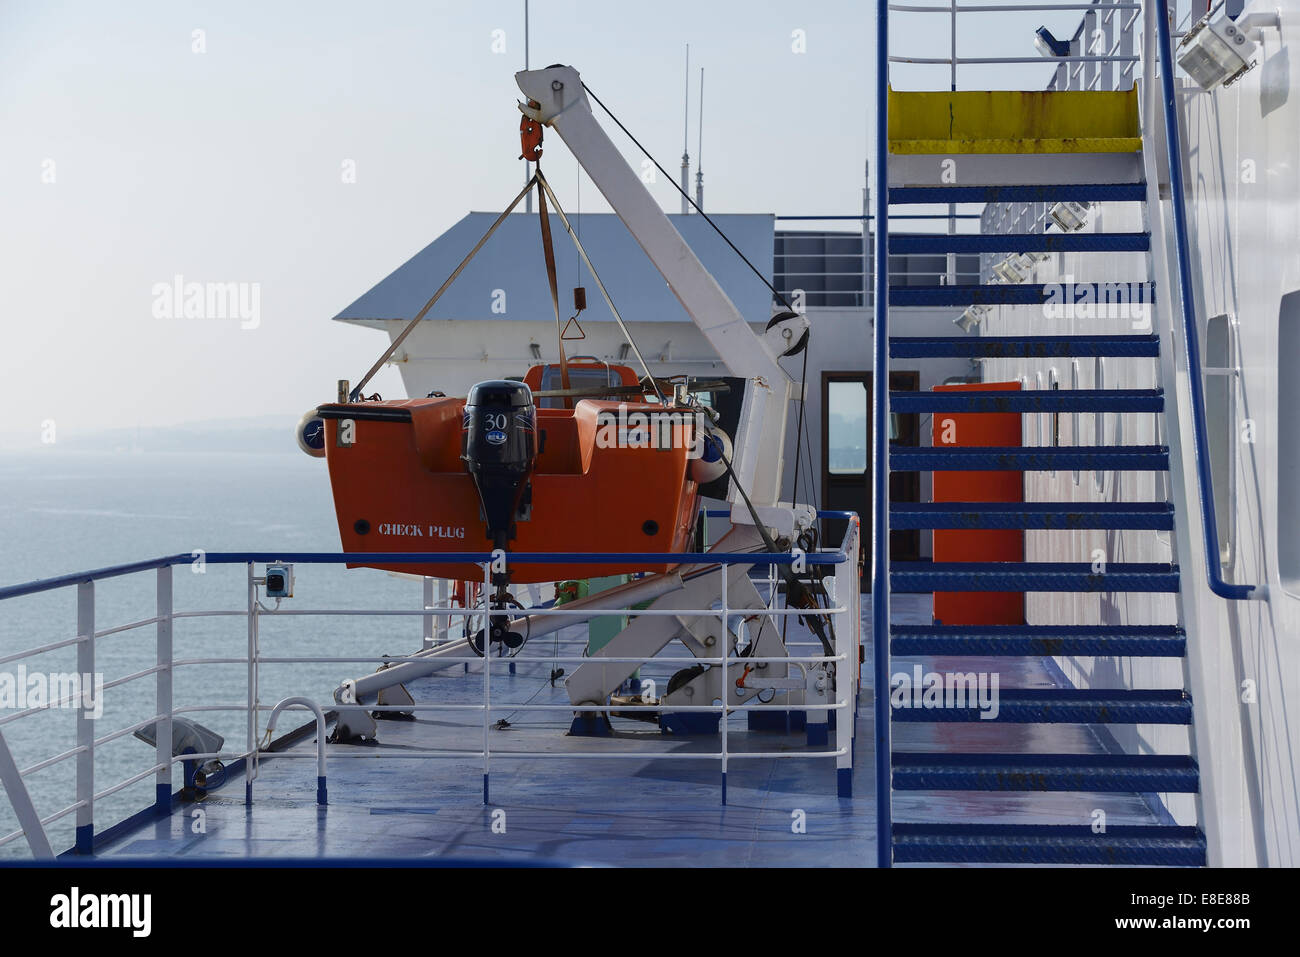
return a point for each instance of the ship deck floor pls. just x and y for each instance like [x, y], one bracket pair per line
[655, 809]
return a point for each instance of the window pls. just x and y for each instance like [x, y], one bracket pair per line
[579, 378]
[846, 427]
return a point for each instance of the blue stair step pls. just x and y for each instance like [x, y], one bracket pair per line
[1033, 400]
[910, 243]
[1044, 772]
[1021, 347]
[1133, 844]
[1101, 458]
[1146, 515]
[1045, 706]
[1078, 192]
[1117, 641]
[1002, 294]
[1031, 576]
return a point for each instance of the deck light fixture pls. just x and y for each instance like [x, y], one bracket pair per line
[1069, 215]
[1218, 49]
[971, 318]
[1015, 268]
[1048, 45]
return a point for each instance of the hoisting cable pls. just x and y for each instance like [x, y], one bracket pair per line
[781, 298]
[410, 326]
[600, 285]
[548, 252]
[796, 592]
[775, 292]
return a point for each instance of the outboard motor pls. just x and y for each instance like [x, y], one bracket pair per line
[500, 454]
[500, 451]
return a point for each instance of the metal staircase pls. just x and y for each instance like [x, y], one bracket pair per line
[1065, 842]
[1072, 841]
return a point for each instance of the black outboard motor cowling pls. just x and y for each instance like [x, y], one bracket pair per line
[500, 451]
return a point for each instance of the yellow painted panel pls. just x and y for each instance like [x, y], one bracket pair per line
[1077, 145]
[1014, 121]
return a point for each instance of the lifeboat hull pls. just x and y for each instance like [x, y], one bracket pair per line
[400, 485]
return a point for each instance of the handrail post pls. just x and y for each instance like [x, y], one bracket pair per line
[252, 685]
[880, 449]
[163, 731]
[85, 724]
[846, 595]
[723, 644]
[430, 634]
[487, 675]
[1187, 302]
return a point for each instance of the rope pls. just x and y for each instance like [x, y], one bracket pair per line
[410, 326]
[548, 251]
[600, 285]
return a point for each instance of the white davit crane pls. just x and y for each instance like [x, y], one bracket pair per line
[556, 98]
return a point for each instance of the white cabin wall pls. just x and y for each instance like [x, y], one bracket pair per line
[1247, 245]
[1245, 239]
[1117, 429]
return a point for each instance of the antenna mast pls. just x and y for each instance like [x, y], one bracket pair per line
[699, 151]
[686, 132]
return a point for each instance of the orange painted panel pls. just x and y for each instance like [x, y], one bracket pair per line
[402, 487]
[978, 545]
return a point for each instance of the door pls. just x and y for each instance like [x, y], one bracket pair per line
[846, 457]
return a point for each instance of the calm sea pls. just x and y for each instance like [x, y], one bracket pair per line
[63, 511]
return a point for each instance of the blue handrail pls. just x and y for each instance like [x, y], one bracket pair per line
[880, 453]
[435, 558]
[1200, 441]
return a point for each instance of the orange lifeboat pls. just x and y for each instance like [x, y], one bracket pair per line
[609, 476]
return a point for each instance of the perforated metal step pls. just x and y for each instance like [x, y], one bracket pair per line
[913, 243]
[1032, 576]
[1104, 458]
[1047, 706]
[1021, 347]
[1151, 845]
[1023, 294]
[1058, 515]
[1036, 193]
[1153, 641]
[1040, 400]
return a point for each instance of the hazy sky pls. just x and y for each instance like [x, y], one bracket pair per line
[130, 158]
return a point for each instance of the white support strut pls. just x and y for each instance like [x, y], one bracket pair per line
[759, 444]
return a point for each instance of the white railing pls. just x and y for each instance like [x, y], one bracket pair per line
[1101, 53]
[838, 695]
